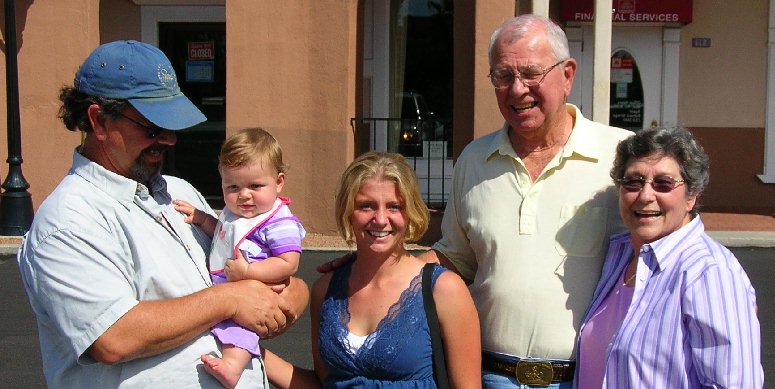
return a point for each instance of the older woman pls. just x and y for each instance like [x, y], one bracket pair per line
[673, 308]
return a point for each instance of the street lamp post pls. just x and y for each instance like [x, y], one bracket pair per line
[15, 201]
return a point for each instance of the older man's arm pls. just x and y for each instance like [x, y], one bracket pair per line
[435, 256]
[153, 327]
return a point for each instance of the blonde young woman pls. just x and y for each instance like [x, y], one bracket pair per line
[368, 324]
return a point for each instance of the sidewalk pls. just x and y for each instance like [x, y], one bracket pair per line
[731, 229]
[740, 230]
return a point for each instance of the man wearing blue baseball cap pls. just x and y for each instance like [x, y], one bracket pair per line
[118, 281]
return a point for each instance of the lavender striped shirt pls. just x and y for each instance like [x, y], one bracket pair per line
[692, 320]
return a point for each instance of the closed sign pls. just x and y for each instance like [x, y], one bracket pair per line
[201, 50]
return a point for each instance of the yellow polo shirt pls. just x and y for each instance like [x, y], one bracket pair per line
[534, 250]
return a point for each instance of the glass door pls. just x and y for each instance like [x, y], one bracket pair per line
[637, 72]
[198, 54]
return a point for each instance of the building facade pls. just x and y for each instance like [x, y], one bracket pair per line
[333, 78]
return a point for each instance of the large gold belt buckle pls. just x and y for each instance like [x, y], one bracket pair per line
[535, 373]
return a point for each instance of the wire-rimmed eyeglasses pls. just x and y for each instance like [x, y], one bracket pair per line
[530, 76]
[152, 129]
[661, 184]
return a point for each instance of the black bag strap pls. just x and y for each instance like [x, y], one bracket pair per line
[439, 362]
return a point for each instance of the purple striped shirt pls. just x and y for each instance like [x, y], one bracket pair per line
[692, 321]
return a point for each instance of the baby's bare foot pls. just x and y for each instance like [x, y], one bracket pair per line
[227, 374]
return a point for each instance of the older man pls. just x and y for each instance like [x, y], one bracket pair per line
[116, 278]
[530, 211]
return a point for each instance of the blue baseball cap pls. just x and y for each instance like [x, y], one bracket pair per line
[142, 75]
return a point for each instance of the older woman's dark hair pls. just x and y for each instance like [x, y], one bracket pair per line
[675, 142]
[75, 104]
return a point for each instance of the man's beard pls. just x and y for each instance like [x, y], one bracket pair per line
[142, 171]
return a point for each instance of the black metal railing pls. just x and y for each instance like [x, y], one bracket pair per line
[426, 144]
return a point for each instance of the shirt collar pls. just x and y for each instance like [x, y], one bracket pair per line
[114, 185]
[501, 144]
[664, 249]
[581, 141]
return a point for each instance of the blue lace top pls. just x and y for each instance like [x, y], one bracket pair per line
[396, 355]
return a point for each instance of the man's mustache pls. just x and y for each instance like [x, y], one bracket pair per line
[155, 148]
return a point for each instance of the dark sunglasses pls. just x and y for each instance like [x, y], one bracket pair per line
[152, 129]
[661, 184]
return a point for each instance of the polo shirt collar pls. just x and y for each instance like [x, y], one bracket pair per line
[501, 144]
[581, 141]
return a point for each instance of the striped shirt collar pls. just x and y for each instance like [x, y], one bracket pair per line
[664, 248]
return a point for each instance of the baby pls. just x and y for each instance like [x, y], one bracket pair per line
[256, 229]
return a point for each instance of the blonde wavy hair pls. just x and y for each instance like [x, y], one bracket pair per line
[391, 167]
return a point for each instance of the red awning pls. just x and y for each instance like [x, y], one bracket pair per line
[632, 11]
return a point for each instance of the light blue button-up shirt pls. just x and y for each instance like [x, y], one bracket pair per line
[99, 244]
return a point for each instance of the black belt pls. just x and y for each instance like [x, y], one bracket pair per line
[536, 372]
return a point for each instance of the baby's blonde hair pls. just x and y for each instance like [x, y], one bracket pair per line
[249, 145]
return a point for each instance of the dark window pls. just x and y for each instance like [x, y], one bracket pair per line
[426, 95]
[198, 54]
